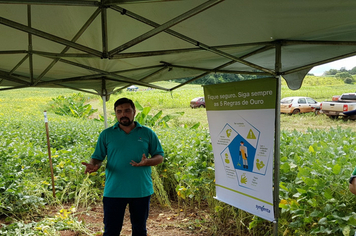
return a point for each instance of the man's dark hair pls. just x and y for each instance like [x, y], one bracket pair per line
[123, 101]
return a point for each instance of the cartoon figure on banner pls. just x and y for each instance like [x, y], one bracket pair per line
[244, 155]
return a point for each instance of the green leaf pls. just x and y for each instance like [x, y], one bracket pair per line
[346, 230]
[328, 194]
[308, 181]
[315, 213]
[156, 117]
[323, 221]
[138, 106]
[312, 202]
[336, 169]
[285, 167]
[74, 113]
[195, 126]
[301, 190]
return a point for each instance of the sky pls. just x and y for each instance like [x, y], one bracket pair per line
[348, 63]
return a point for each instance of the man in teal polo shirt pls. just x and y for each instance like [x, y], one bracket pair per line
[127, 146]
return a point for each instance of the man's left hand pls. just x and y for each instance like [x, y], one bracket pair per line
[143, 161]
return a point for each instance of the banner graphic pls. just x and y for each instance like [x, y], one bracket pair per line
[241, 118]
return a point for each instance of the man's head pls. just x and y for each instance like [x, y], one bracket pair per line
[125, 111]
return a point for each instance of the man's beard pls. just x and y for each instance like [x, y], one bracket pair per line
[125, 121]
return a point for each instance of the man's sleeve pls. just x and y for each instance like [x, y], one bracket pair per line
[155, 145]
[354, 172]
[100, 149]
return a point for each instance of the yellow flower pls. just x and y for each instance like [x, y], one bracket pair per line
[284, 202]
[61, 164]
[63, 213]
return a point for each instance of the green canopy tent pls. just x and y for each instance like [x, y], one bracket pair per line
[107, 45]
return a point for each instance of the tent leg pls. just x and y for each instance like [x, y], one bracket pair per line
[277, 138]
[104, 111]
[277, 158]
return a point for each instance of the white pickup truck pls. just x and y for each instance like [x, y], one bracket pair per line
[345, 107]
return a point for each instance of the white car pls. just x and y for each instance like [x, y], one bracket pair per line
[295, 105]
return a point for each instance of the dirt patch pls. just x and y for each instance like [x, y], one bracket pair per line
[162, 221]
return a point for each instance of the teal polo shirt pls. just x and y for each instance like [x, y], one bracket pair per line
[122, 179]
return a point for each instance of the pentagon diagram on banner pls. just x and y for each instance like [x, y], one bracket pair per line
[244, 156]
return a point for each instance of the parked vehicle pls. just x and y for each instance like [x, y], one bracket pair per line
[197, 102]
[295, 105]
[345, 107]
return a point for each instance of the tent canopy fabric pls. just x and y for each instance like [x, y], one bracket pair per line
[108, 45]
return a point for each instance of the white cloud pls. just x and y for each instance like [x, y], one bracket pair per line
[348, 63]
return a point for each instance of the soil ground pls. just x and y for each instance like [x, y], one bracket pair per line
[162, 221]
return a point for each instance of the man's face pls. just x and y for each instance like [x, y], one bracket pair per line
[125, 114]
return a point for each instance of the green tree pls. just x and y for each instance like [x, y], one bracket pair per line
[353, 71]
[343, 75]
[331, 72]
[349, 80]
[343, 69]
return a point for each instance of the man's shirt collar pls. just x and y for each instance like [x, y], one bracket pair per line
[116, 126]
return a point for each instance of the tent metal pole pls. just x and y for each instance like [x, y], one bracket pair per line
[103, 96]
[104, 32]
[19, 64]
[29, 23]
[216, 71]
[276, 163]
[104, 111]
[276, 158]
[52, 2]
[204, 6]
[76, 37]
[51, 37]
[165, 27]
[320, 63]
[15, 78]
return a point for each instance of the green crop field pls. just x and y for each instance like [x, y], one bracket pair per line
[317, 157]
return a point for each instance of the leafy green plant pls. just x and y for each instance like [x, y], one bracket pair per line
[188, 164]
[65, 219]
[315, 166]
[314, 191]
[73, 105]
[143, 117]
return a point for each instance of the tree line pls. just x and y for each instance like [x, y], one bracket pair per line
[345, 75]
[217, 78]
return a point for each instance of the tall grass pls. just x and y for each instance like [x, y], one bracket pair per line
[319, 88]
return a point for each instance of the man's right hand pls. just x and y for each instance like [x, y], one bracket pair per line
[90, 168]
